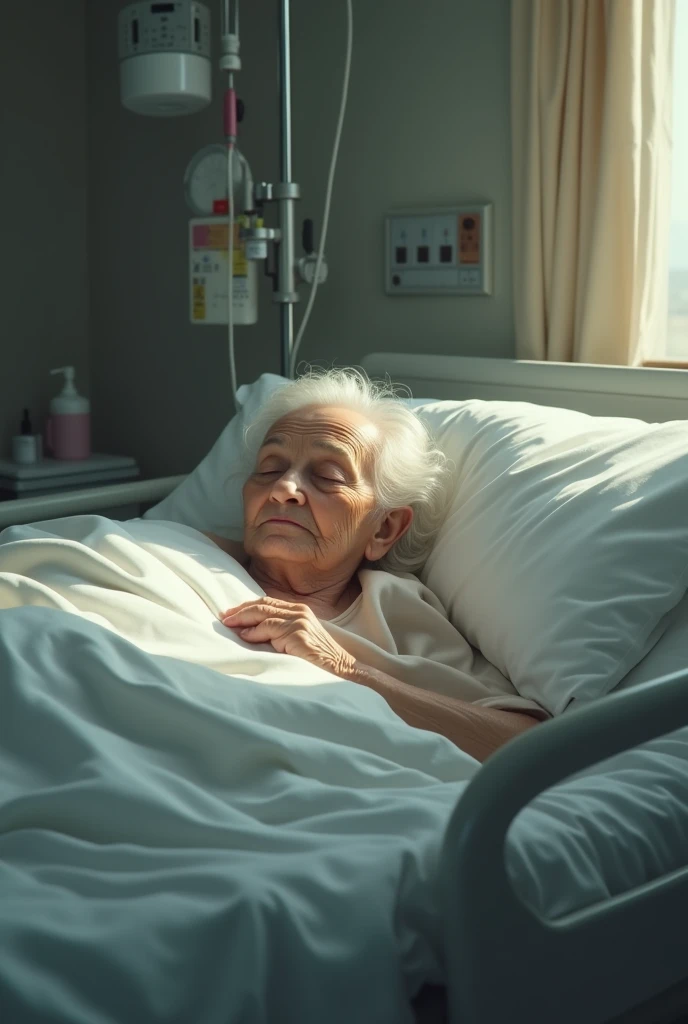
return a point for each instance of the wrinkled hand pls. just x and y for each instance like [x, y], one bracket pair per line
[291, 629]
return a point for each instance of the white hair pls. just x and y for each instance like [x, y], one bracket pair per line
[409, 468]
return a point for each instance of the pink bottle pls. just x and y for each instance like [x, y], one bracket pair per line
[68, 428]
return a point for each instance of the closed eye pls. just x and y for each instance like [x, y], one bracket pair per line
[329, 472]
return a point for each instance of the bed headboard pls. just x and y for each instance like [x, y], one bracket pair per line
[647, 394]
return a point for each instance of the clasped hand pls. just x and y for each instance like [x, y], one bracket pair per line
[291, 629]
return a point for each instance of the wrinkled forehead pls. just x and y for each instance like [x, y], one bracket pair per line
[346, 433]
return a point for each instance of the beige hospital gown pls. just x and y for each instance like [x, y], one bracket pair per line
[398, 626]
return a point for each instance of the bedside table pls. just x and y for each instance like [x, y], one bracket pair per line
[50, 477]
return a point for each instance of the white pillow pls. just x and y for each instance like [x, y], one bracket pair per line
[566, 542]
[669, 654]
[210, 497]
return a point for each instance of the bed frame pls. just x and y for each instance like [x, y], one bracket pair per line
[652, 395]
[623, 961]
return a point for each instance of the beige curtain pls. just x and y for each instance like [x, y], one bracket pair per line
[591, 146]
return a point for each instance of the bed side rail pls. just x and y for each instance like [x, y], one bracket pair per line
[595, 964]
[73, 503]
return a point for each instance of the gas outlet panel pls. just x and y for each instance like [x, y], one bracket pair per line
[439, 251]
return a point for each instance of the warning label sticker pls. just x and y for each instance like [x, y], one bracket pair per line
[213, 237]
[198, 304]
[469, 238]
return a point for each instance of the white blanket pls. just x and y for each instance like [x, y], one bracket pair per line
[181, 845]
[194, 830]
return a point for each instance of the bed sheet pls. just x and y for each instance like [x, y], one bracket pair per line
[190, 828]
[604, 831]
[194, 829]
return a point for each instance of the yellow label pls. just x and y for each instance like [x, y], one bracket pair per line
[239, 254]
[198, 309]
[217, 239]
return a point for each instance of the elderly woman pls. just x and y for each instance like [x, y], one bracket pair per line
[346, 495]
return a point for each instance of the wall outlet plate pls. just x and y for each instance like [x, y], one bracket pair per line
[444, 250]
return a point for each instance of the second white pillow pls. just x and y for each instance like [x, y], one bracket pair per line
[565, 544]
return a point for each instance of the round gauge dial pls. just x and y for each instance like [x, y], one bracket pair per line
[205, 180]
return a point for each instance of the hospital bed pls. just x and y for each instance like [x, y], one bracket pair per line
[624, 959]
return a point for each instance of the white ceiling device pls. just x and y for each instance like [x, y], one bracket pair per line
[164, 52]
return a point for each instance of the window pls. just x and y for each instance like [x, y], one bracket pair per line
[677, 336]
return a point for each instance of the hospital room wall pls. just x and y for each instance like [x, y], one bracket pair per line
[43, 182]
[427, 123]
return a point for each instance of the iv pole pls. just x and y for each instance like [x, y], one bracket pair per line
[286, 193]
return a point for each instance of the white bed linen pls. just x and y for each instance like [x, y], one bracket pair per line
[604, 832]
[181, 845]
[178, 844]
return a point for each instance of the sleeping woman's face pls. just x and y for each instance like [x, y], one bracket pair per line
[310, 498]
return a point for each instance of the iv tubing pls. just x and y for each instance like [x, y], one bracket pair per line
[230, 122]
[329, 188]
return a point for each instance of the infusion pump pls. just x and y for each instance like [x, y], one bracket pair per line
[209, 273]
[205, 187]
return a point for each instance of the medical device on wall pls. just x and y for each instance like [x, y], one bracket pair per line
[218, 185]
[439, 251]
[164, 52]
